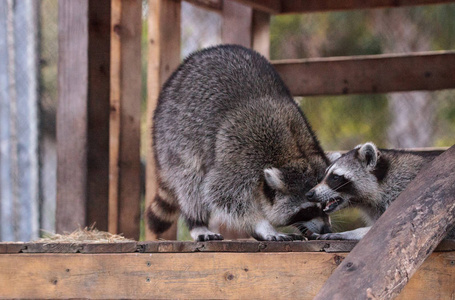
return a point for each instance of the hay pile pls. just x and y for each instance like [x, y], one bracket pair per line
[85, 235]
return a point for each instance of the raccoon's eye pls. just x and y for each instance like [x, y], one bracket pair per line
[335, 177]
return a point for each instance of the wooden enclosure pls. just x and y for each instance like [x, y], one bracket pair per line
[222, 269]
[98, 131]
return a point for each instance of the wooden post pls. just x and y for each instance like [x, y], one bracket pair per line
[83, 114]
[98, 113]
[72, 115]
[386, 258]
[261, 33]
[125, 166]
[237, 24]
[163, 59]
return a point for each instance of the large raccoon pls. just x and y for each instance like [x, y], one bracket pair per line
[231, 143]
[367, 178]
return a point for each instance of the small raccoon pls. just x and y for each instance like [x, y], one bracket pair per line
[231, 143]
[367, 178]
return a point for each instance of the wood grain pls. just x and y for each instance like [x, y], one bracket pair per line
[72, 115]
[163, 59]
[98, 113]
[306, 6]
[195, 275]
[237, 23]
[369, 74]
[267, 6]
[261, 33]
[124, 193]
[402, 237]
[239, 246]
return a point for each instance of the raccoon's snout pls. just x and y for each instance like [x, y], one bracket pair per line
[310, 195]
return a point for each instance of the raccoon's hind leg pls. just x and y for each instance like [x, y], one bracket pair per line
[163, 211]
[199, 230]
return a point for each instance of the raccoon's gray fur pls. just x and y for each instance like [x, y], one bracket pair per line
[367, 178]
[232, 144]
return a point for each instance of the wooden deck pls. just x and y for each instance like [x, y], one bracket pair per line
[174, 269]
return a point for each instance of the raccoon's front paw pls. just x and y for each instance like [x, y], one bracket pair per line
[281, 237]
[209, 237]
[327, 236]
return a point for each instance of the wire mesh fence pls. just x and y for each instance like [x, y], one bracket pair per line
[28, 71]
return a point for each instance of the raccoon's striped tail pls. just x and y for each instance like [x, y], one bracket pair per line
[163, 211]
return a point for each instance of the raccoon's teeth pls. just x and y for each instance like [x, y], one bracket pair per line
[331, 205]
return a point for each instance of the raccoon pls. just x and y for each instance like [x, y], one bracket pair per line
[230, 143]
[367, 178]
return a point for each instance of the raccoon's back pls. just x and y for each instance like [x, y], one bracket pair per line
[201, 92]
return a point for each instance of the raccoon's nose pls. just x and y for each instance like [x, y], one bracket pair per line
[310, 195]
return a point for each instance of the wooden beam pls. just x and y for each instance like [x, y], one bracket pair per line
[237, 24]
[282, 275]
[125, 165]
[163, 59]
[369, 73]
[237, 246]
[261, 32]
[213, 5]
[402, 238]
[306, 6]
[72, 115]
[268, 6]
[98, 113]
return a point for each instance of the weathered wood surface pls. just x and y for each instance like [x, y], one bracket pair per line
[268, 6]
[305, 6]
[124, 189]
[308, 6]
[194, 275]
[188, 247]
[72, 115]
[369, 73]
[98, 113]
[387, 257]
[237, 23]
[261, 33]
[213, 5]
[163, 58]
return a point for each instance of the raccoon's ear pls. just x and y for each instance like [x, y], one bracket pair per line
[333, 156]
[369, 154]
[273, 178]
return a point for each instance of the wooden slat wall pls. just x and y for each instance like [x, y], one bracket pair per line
[281, 275]
[369, 74]
[163, 59]
[124, 189]
[72, 115]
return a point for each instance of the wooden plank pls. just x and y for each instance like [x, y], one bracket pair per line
[306, 6]
[195, 275]
[239, 246]
[213, 5]
[124, 190]
[98, 113]
[246, 246]
[72, 115]
[401, 239]
[369, 73]
[267, 6]
[237, 23]
[163, 59]
[261, 33]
